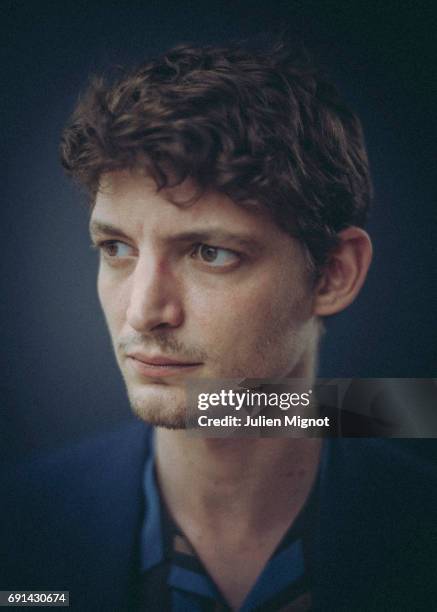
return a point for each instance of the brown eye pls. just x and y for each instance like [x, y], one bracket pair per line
[208, 253]
[115, 249]
[111, 249]
[216, 257]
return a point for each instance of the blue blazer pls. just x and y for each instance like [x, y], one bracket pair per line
[71, 520]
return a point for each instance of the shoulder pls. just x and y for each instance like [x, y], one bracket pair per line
[385, 476]
[74, 512]
[126, 442]
[94, 463]
[383, 461]
[377, 526]
[72, 475]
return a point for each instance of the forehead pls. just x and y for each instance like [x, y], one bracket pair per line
[129, 200]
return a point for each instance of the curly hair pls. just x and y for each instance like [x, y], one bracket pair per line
[265, 128]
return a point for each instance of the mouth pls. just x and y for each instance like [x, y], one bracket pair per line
[159, 366]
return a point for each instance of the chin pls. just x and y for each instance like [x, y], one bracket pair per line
[160, 406]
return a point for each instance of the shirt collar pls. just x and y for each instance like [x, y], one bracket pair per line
[152, 547]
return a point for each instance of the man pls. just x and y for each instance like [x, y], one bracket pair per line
[229, 189]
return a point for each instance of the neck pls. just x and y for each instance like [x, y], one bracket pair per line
[210, 481]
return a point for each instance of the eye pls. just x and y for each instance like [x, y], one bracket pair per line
[215, 256]
[115, 249]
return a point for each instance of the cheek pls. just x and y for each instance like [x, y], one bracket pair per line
[244, 315]
[113, 300]
[252, 333]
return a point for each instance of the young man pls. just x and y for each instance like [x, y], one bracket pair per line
[229, 190]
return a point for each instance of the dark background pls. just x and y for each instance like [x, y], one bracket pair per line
[58, 376]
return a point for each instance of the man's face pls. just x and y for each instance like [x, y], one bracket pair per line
[206, 290]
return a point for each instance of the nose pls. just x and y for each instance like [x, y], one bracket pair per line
[155, 300]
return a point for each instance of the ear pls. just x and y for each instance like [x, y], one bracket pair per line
[344, 273]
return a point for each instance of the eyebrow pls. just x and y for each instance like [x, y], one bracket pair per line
[207, 235]
[212, 235]
[97, 228]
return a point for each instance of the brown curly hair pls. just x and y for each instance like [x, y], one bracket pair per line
[265, 128]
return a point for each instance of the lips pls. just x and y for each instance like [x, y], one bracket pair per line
[158, 365]
[161, 361]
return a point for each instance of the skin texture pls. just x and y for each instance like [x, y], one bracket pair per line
[245, 313]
